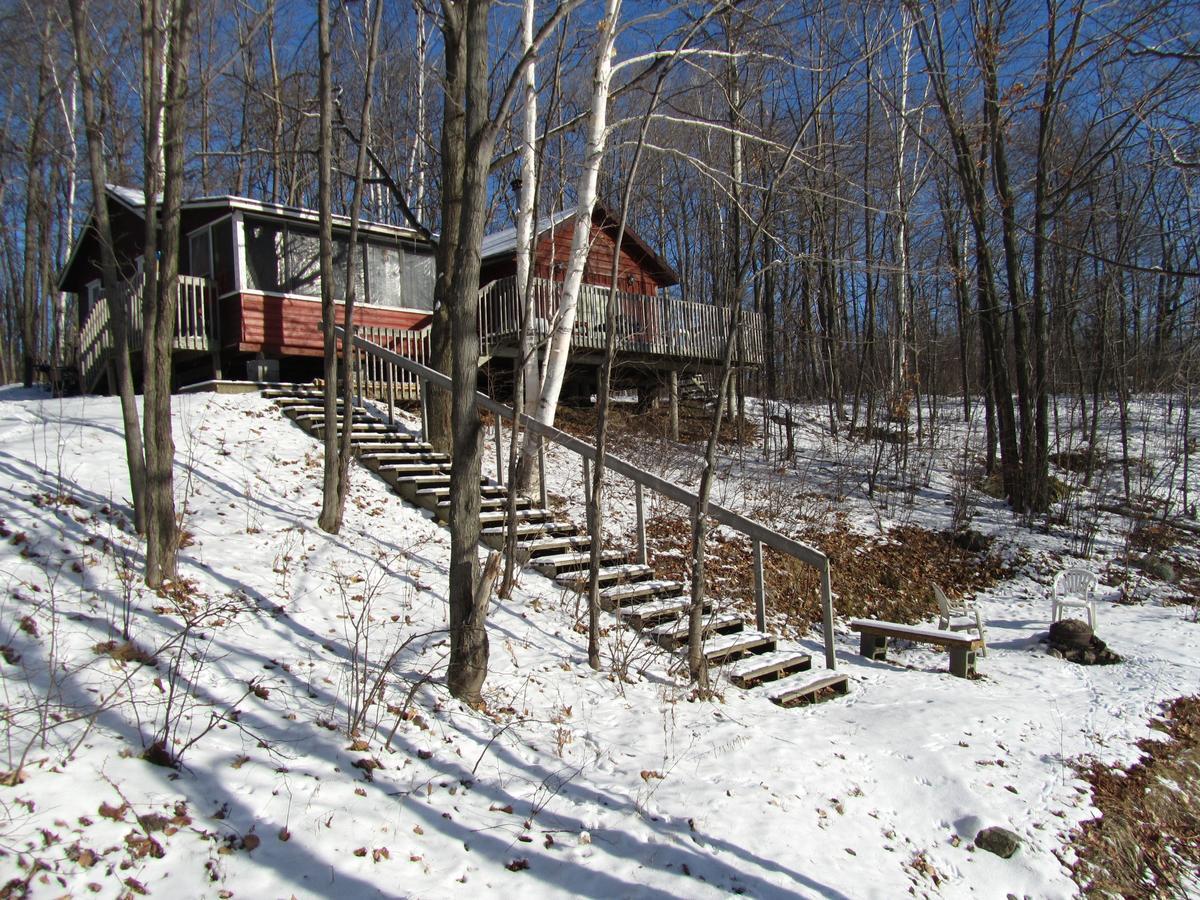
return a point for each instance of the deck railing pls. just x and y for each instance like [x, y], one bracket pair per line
[758, 534]
[195, 323]
[655, 326]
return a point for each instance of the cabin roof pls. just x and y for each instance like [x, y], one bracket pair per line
[503, 243]
[135, 200]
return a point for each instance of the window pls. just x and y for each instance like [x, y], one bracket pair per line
[200, 255]
[384, 267]
[303, 251]
[286, 259]
[341, 251]
[419, 276]
[264, 256]
[222, 256]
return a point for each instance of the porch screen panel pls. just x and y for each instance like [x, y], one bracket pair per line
[341, 248]
[303, 263]
[418, 278]
[222, 254]
[264, 256]
[384, 274]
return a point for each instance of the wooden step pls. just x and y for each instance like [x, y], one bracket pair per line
[498, 501]
[396, 442]
[399, 454]
[625, 594]
[439, 493]
[400, 470]
[655, 612]
[494, 536]
[724, 647]
[675, 632]
[798, 688]
[557, 563]
[500, 516]
[771, 666]
[578, 581]
[537, 548]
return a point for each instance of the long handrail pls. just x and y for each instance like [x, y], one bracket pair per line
[757, 532]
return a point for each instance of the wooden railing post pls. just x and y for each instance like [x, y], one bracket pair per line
[639, 500]
[827, 615]
[542, 472]
[423, 387]
[587, 480]
[391, 392]
[760, 591]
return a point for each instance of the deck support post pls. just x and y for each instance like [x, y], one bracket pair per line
[674, 404]
[760, 592]
[214, 329]
[499, 450]
[639, 499]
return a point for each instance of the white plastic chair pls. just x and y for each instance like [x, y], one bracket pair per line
[1074, 588]
[960, 615]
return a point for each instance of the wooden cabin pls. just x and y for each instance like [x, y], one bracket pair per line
[249, 288]
[249, 295]
[655, 333]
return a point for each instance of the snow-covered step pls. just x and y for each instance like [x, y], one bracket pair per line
[488, 502]
[728, 646]
[399, 454]
[539, 548]
[624, 594]
[500, 516]
[655, 612]
[495, 536]
[440, 492]
[399, 442]
[672, 634]
[578, 581]
[558, 563]
[777, 664]
[400, 470]
[795, 689]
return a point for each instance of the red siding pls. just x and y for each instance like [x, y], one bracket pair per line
[554, 249]
[284, 326]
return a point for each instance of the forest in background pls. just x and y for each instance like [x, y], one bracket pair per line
[992, 200]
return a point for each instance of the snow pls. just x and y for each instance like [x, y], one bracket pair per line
[603, 787]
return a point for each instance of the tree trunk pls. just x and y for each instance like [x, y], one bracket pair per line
[117, 308]
[162, 532]
[330, 518]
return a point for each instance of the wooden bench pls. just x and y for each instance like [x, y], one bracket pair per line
[962, 647]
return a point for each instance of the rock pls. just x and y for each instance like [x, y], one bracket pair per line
[971, 541]
[998, 840]
[1069, 633]
[1088, 658]
[1157, 567]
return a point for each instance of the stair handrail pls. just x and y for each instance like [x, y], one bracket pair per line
[758, 533]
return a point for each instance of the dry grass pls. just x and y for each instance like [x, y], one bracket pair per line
[876, 578]
[1146, 840]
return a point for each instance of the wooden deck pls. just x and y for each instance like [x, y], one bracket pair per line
[195, 325]
[649, 326]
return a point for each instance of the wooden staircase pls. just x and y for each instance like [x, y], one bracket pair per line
[657, 608]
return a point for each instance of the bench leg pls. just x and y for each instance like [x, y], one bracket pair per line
[873, 646]
[962, 662]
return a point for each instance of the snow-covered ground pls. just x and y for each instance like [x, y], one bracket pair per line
[572, 783]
